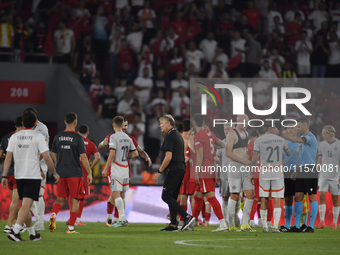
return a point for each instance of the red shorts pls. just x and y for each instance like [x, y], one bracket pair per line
[12, 184]
[257, 187]
[192, 187]
[207, 185]
[72, 187]
[86, 187]
[184, 187]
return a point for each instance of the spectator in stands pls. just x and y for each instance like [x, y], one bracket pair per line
[208, 46]
[220, 9]
[65, 43]
[120, 89]
[253, 56]
[169, 42]
[100, 39]
[129, 115]
[196, 57]
[107, 105]
[88, 72]
[176, 62]
[86, 47]
[136, 129]
[293, 32]
[303, 50]
[115, 47]
[180, 26]
[145, 60]
[20, 34]
[44, 9]
[190, 73]
[319, 59]
[243, 24]
[254, 18]
[160, 100]
[178, 82]
[334, 56]
[215, 73]
[160, 83]
[289, 58]
[6, 40]
[127, 19]
[96, 90]
[180, 105]
[77, 24]
[124, 104]
[276, 61]
[335, 14]
[224, 27]
[203, 16]
[290, 15]
[278, 27]
[135, 38]
[334, 28]
[267, 72]
[318, 16]
[81, 10]
[220, 56]
[271, 15]
[39, 38]
[324, 29]
[144, 85]
[238, 46]
[146, 17]
[307, 26]
[287, 73]
[154, 134]
[275, 41]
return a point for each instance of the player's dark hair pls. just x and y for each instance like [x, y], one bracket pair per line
[70, 117]
[186, 125]
[30, 109]
[18, 121]
[180, 128]
[29, 119]
[288, 122]
[262, 130]
[198, 118]
[303, 120]
[83, 129]
[254, 134]
[118, 121]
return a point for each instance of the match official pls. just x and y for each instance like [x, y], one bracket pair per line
[173, 165]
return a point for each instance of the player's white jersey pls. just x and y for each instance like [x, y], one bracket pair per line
[330, 153]
[271, 148]
[42, 129]
[122, 144]
[225, 160]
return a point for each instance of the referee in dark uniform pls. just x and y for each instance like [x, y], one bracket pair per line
[173, 166]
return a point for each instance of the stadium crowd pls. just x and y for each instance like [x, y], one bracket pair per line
[136, 57]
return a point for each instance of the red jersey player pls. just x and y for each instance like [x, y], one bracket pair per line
[204, 143]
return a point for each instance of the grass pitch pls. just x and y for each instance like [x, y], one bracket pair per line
[96, 238]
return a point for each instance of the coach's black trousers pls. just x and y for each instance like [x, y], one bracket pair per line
[171, 187]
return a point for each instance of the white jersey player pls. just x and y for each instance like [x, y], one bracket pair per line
[270, 148]
[120, 145]
[329, 176]
[38, 207]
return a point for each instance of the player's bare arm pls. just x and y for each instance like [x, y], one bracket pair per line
[54, 157]
[319, 163]
[219, 144]
[144, 155]
[95, 160]
[7, 164]
[50, 165]
[165, 163]
[2, 155]
[102, 144]
[287, 152]
[293, 139]
[109, 162]
[199, 161]
[85, 162]
[253, 165]
[133, 155]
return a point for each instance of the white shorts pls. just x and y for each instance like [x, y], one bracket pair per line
[119, 184]
[240, 183]
[224, 188]
[332, 186]
[303, 69]
[274, 187]
[42, 185]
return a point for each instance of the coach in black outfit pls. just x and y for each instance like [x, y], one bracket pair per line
[173, 165]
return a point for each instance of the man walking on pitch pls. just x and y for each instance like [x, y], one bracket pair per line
[173, 164]
[24, 148]
[120, 145]
[67, 147]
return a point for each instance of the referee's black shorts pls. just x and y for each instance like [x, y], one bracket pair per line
[28, 188]
[308, 183]
[289, 185]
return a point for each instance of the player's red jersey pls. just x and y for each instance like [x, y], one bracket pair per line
[192, 165]
[208, 131]
[184, 187]
[206, 140]
[91, 149]
[250, 152]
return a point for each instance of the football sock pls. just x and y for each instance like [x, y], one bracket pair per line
[322, 211]
[306, 219]
[124, 201]
[258, 209]
[185, 207]
[34, 209]
[313, 213]
[73, 217]
[225, 208]
[288, 216]
[69, 203]
[40, 205]
[238, 206]
[253, 210]
[31, 231]
[71, 228]
[216, 207]
[120, 206]
[335, 215]
[207, 216]
[203, 209]
[56, 208]
[231, 212]
[109, 208]
[246, 211]
[81, 207]
[270, 210]
[116, 214]
[17, 228]
[264, 218]
[197, 207]
[277, 216]
[298, 213]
